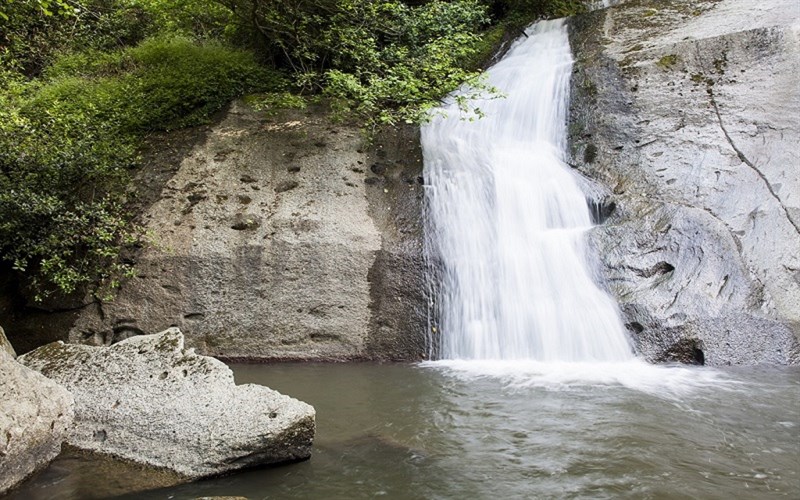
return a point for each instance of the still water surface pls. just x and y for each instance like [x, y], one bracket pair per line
[408, 432]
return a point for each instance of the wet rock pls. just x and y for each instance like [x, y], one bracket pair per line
[378, 168]
[286, 186]
[149, 400]
[397, 277]
[35, 416]
[690, 115]
[601, 210]
[221, 498]
[687, 351]
[91, 475]
[658, 268]
[243, 222]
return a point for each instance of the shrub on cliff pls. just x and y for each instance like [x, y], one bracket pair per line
[69, 139]
[34, 32]
[383, 61]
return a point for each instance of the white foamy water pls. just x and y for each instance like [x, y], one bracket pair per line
[514, 295]
[668, 381]
[507, 221]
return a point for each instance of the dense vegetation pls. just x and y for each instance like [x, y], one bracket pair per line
[83, 81]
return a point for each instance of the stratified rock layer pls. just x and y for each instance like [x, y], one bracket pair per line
[148, 400]
[688, 115]
[278, 237]
[35, 414]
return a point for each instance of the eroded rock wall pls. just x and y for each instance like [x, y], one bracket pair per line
[687, 115]
[278, 237]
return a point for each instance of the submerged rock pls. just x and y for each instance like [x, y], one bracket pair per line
[148, 400]
[35, 415]
[687, 114]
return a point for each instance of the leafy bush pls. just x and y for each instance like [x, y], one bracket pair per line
[159, 84]
[60, 173]
[381, 60]
[34, 32]
[203, 19]
[386, 60]
[67, 144]
[522, 12]
[397, 66]
[178, 83]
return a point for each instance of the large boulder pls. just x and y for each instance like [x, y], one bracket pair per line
[35, 415]
[148, 400]
[687, 113]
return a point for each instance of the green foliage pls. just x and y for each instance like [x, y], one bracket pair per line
[383, 61]
[68, 142]
[31, 37]
[490, 41]
[62, 223]
[523, 12]
[271, 103]
[205, 19]
[177, 83]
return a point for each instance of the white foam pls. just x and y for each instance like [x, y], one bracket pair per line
[506, 220]
[668, 381]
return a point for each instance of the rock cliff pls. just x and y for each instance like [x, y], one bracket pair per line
[276, 237]
[284, 237]
[687, 116]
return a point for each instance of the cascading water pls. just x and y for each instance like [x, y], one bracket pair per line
[506, 221]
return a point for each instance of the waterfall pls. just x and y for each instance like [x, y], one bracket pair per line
[506, 221]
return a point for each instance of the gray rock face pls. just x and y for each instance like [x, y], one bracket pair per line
[275, 239]
[5, 345]
[398, 305]
[148, 400]
[687, 114]
[35, 415]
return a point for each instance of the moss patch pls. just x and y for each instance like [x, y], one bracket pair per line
[667, 62]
